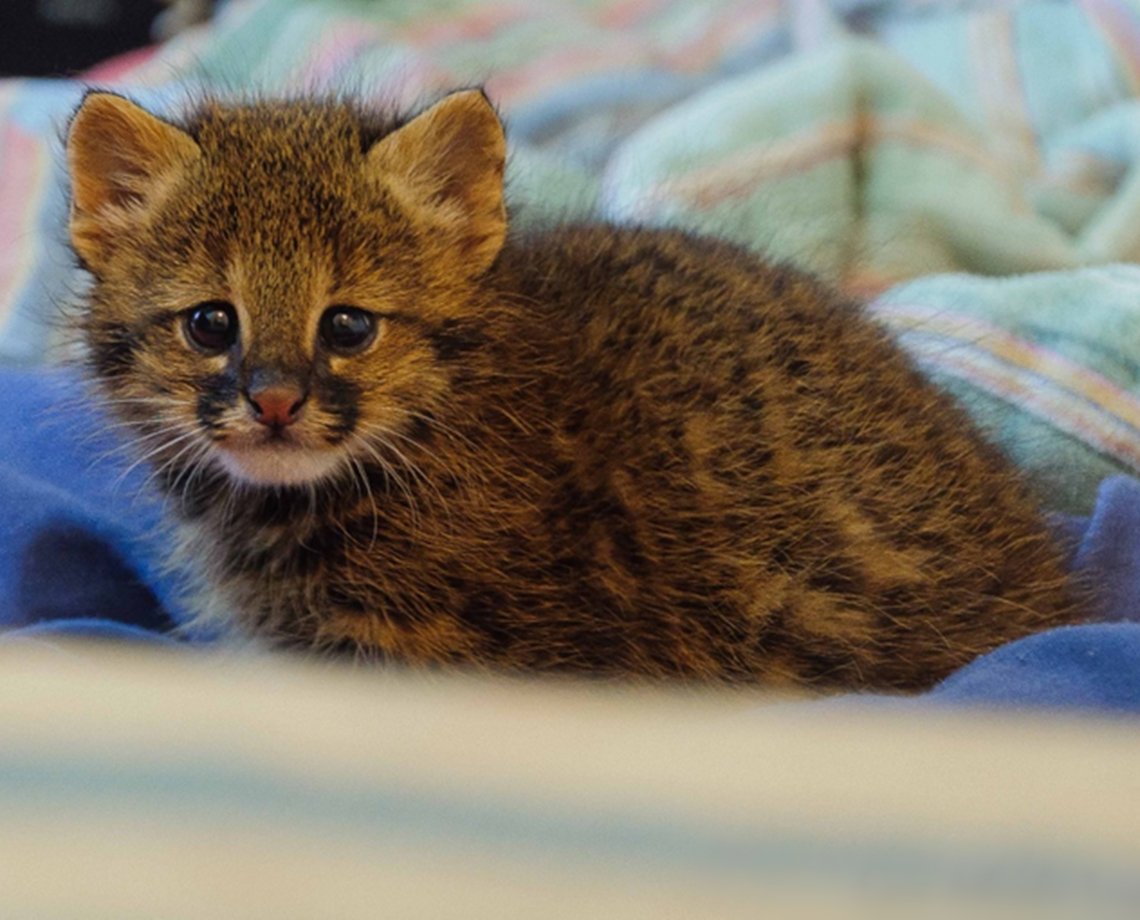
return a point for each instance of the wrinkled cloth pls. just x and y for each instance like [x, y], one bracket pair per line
[870, 142]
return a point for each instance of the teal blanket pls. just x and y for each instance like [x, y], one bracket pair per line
[872, 142]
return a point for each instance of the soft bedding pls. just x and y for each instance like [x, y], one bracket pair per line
[970, 166]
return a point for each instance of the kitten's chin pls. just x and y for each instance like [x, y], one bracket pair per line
[275, 465]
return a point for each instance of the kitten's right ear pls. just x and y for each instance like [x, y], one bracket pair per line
[449, 161]
[120, 158]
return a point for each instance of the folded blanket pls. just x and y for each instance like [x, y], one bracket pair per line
[1048, 363]
[871, 142]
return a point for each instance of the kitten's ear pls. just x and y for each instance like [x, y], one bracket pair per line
[120, 158]
[449, 160]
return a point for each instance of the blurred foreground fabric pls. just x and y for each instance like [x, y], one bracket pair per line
[138, 785]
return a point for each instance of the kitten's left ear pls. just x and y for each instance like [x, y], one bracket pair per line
[120, 158]
[450, 160]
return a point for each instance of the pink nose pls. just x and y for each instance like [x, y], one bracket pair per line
[277, 406]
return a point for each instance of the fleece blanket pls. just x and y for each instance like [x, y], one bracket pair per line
[969, 165]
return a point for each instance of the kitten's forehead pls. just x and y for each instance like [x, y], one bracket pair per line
[272, 137]
[282, 192]
[251, 152]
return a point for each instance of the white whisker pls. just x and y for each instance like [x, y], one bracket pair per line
[359, 471]
[155, 451]
[392, 474]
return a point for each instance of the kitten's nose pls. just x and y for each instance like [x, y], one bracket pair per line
[276, 406]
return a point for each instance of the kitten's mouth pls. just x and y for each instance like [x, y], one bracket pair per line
[277, 459]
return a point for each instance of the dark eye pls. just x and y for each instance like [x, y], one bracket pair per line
[212, 326]
[347, 329]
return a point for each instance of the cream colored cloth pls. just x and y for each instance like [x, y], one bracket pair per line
[143, 784]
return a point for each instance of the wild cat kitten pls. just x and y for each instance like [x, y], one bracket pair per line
[387, 423]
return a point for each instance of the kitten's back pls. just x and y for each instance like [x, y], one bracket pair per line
[743, 443]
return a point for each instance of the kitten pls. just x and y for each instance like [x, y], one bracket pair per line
[386, 423]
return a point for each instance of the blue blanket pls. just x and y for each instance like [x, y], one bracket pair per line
[80, 554]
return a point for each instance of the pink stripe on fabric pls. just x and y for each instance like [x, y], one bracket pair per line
[999, 89]
[1043, 362]
[729, 29]
[1103, 432]
[335, 46]
[462, 26]
[22, 185]
[739, 173]
[1119, 24]
[559, 67]
[623, 14]
[121, 67]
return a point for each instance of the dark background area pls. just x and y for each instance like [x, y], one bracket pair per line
[62, 37]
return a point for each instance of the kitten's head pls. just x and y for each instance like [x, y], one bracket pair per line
[279, 287]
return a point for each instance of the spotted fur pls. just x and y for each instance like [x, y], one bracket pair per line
[587, 449]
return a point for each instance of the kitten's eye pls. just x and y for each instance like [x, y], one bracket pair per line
[212, 326]
[347, 329]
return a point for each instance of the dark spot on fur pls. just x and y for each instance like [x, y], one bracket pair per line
[342, 598]
[826, 664]
[618, 522]
[784, 352]
[113, 349]
[890, 454]
[452, 340]
[837, 576]
[570, 568]
[759, 456]
[484, 613]
[421, 428]
[575, 421]
[277, 507]
[784, 555]
[341, 399]
[798, 367]
[216, 394]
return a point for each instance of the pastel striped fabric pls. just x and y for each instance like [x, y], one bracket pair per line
[1049, 362]
[1078, 400]
[872, 142]
[142, 785]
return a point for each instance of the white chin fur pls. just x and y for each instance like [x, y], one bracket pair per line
[274, 465]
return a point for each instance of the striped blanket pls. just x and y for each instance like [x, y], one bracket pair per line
[967, 164]
[871, 142]
[136, 787]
